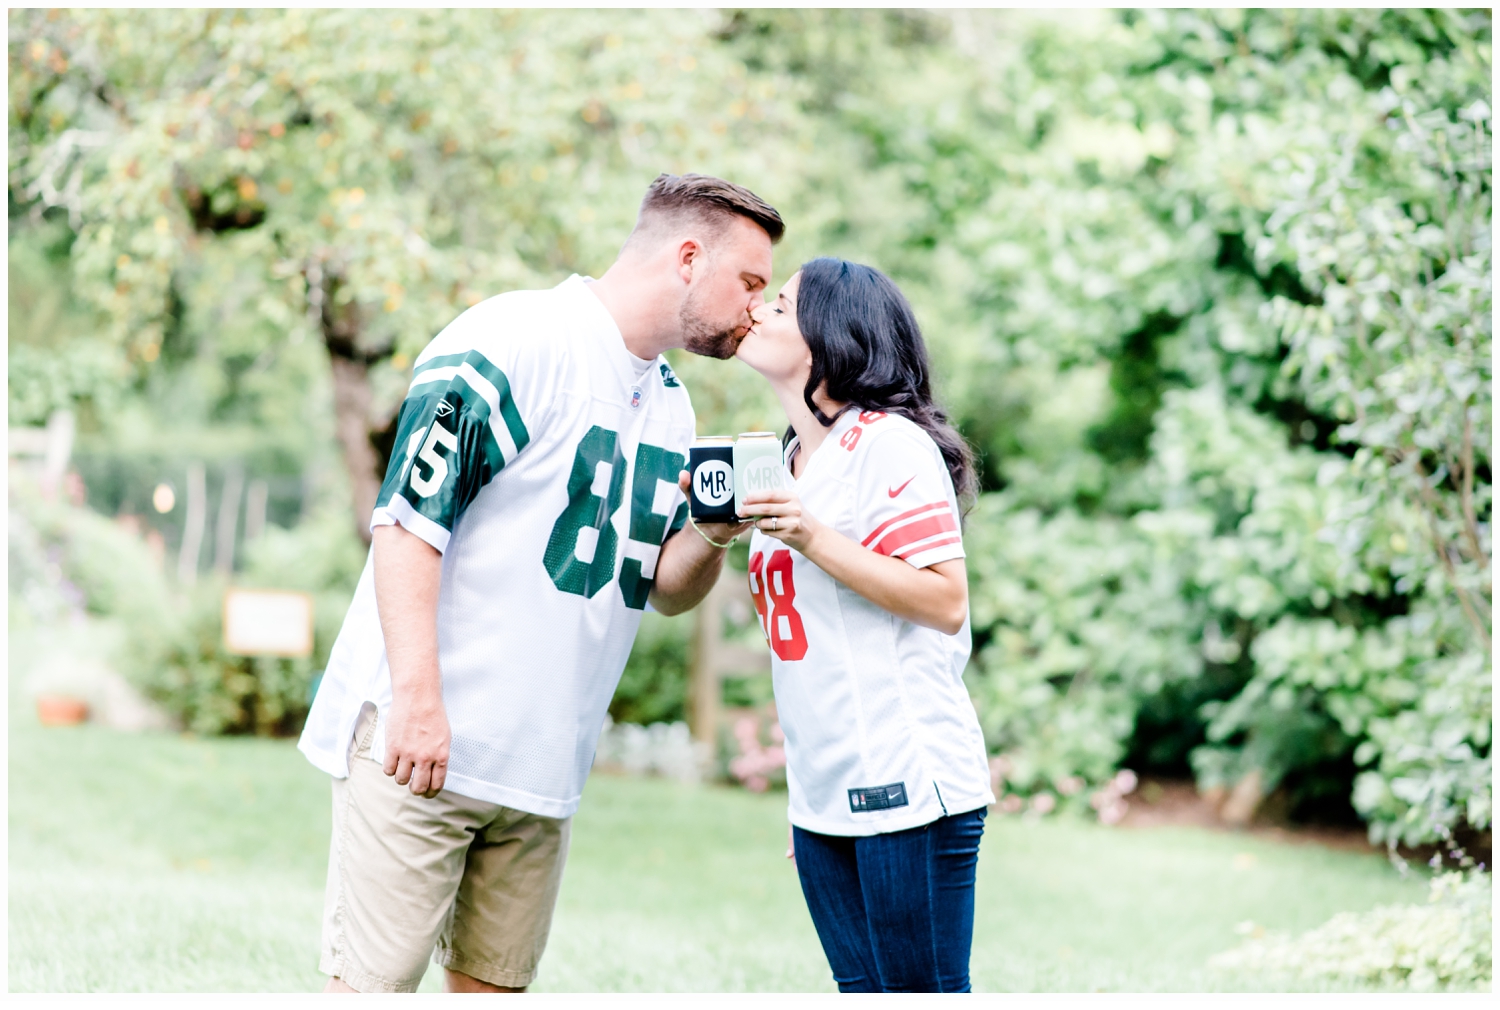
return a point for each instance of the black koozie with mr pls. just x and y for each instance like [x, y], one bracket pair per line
[711, 465]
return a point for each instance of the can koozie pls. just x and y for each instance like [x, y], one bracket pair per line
[757, 465]
[711, 466]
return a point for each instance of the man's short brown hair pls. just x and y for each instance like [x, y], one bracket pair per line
[674, 197]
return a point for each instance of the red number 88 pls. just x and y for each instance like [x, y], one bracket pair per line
[775, 602]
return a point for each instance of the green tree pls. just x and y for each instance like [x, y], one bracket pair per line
[356, 180]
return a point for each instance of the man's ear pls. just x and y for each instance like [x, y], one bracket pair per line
[689, 259]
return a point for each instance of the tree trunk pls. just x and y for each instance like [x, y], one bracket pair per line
[351, 410]
[363, 434]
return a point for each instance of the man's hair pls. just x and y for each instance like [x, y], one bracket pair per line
[675, 199]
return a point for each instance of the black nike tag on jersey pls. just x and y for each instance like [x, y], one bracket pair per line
[877, 798]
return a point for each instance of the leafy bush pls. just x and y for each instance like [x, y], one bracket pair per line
[100, 565]
[181, 662]
[173, 641]
[654, 686]
[1079, 621]
[1443, 945]
[1284, 490]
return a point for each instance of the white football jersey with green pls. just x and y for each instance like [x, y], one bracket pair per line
[543, 466]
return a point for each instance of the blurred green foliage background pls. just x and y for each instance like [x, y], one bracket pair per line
[1210, 293]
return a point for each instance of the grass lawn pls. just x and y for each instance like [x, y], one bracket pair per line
[159, 862]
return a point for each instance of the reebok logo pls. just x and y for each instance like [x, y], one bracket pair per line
[893, 492]
[444, 408]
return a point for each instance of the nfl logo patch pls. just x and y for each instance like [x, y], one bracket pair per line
[635, 397]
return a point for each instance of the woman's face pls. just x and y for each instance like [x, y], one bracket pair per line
[774, 347]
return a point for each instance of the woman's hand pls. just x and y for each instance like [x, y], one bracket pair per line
[780, 516]
[935, 597]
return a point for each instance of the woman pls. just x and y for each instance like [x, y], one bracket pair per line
[858, 576]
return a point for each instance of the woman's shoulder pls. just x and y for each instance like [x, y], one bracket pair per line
[883, 448]
[882, 432]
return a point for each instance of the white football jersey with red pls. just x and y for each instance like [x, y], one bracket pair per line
[880, 732]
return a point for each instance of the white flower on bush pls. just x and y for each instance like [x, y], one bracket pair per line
[665, 749]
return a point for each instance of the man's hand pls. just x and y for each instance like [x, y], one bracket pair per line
[416, 743]
[719, 532]
[408, 573]
[688, 566]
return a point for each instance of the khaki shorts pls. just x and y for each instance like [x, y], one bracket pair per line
[474, 880]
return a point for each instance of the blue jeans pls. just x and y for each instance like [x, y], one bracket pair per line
[895, 912]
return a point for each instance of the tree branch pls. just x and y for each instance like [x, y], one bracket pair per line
[1466, 491]
[1430, 511]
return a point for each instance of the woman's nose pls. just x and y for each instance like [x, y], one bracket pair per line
[758, 312]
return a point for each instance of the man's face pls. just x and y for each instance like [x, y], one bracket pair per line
[716, 313]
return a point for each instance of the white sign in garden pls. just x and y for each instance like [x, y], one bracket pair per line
[268, 622]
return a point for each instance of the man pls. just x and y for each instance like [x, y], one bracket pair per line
[531, 508]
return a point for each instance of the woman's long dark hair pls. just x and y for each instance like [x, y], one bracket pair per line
[867, 347]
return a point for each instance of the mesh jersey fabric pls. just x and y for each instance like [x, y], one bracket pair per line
[869, 701]
[529, 453]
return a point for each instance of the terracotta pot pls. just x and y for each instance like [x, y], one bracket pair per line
[60, 710]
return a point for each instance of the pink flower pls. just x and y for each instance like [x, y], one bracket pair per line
[1114, 812]
[1044, 803]
[747, 732]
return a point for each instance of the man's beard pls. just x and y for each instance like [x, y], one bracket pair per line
[699, 336]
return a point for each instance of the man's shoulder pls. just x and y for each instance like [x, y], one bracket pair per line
[503, 328]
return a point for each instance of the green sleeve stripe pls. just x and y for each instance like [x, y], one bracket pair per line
[441, 361]
[477, 361]
[491, 385]
[469, 452]
[476, 404]
[513, 423]
[680, 519]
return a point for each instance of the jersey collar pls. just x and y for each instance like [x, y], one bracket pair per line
[846, 421]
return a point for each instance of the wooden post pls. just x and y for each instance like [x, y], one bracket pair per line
[229, 515]
[192, 530]
[60, 428]
[713, 657]
[255, 510]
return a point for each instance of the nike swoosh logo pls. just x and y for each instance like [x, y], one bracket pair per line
[893, 492]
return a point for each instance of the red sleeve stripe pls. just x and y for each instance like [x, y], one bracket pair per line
[915, 549]
[921, 529]
[903, 516]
